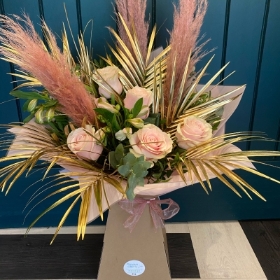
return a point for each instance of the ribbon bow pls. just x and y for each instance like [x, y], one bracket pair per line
[137, 206]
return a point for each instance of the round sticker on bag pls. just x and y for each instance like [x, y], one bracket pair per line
[134, 268]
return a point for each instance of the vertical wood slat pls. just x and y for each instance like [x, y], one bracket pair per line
[244, 31]
[225, 39]
[213, 29]
[8, 104]
[56, 13]
[31, 8]
[267, 112]
[259, 66]
[79, 16]
[12, 70]
[101, 15]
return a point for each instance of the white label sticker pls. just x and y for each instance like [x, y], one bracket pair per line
[134, 268]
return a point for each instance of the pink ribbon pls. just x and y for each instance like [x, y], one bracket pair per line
[137, 206]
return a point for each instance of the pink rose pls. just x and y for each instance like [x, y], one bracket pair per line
[192, 132]
[134, 94]
[83, 145]
[110, 76]
[151, 142]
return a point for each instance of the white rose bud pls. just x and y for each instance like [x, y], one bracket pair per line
[124, 133]
[108, 76]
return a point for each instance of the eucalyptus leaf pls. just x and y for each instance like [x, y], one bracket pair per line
[124, 170]
[119, 153]
[133, 182]
[112, 160]
[130, 159]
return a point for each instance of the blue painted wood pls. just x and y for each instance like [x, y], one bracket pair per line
[267, 114]
[31, 9]
[242, 52]
[223, 204]
[101, 14]
[55, 16]
[164, 19]
[213, 30]
[241, 47]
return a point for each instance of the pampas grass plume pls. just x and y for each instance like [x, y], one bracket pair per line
[133, 13]
[24, 47]
[188, 19]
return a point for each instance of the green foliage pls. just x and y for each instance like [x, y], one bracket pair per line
[115, 157]
[39, 105]
[215, 118]
[109, 118]
[153, 119]
[137, 107]
[135, 169]
[28, 95]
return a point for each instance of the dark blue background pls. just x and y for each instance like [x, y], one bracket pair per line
[244, 32]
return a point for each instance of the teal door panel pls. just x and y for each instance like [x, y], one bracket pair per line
[223, 204]
[14, 214]
[267, 111]
[213, 30]
[54, 15]
[236, 29]
[8, 106]
[101, 14]
[29, 7]
[244, 33]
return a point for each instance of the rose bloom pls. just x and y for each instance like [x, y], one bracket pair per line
[192, 132]
[151, 142]
[110, 75]
[83, 145]
[134, 94]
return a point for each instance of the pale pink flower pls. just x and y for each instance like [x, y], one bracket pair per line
[134, 94]
[84, 143]
[151, 142]
[192, 132]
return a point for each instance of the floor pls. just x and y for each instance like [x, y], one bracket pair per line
[216, 250]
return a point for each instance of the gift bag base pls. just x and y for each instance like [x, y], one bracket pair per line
[142, 253]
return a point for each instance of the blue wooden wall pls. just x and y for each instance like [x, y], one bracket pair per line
[244, 32]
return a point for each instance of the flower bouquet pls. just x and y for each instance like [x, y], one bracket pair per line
[136, 122]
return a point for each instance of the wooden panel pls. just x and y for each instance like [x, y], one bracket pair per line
[55, 16]
[223, 251]
[242, 51]
[102, 15]
[68, 259]
[264, 239]
[164, 11]
[223, 204]
[267, 115]
[213, 28]
[30, 8]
